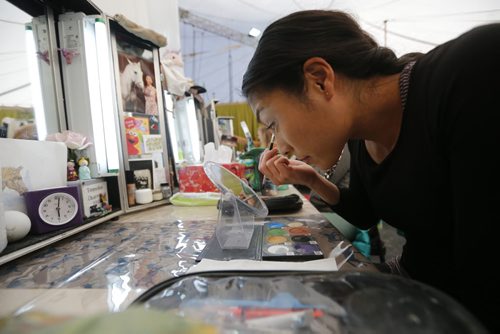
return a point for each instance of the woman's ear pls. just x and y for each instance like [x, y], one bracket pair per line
[319, 75]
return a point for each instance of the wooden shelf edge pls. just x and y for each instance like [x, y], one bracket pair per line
[153, 204]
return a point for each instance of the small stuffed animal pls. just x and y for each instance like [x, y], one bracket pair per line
[173, 67]
[83, 170]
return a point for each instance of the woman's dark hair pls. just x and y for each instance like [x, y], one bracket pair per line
[334, 36]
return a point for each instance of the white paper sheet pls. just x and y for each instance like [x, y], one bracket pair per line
[327, 264]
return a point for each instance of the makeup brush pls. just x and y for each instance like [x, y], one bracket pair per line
[271, 144]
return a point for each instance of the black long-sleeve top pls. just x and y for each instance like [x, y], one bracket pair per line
[441, 183]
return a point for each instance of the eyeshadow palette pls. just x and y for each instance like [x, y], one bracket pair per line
[289, 241]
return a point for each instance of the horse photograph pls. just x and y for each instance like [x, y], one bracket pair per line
[133, 73]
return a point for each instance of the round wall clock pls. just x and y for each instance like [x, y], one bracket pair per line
[53, 209]
[58, 208]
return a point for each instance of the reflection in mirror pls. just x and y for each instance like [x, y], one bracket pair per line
[28, 108]
[186, 131]
[169, 111]
[228, 182]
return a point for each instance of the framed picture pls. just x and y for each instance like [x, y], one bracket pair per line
[143, 172]
[136, 128]
[137, 80]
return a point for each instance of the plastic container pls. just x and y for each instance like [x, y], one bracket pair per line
[157, 195]
[143, 196]
[165, 190]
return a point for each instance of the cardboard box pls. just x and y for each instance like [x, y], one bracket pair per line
[192, 179]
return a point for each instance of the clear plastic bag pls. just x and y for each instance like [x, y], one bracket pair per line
[338, 302]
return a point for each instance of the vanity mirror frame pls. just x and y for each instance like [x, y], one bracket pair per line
[117, 33]
[58, 116]
[52, 9]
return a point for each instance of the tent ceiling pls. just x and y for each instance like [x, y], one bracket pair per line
[412, 25]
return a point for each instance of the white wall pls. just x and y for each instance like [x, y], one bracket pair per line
[159, 15]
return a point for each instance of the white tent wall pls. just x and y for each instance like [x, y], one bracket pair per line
[14, 71]
[214, 62]
[412, 26]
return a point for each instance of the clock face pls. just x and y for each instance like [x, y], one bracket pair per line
[58, 208]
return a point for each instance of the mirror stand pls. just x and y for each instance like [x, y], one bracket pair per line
[235, 224]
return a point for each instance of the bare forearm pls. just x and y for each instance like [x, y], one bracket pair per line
[325, 189]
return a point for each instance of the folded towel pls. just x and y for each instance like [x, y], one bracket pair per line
[144, 33]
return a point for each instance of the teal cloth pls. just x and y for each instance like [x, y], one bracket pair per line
[359, 238]
[362, 242]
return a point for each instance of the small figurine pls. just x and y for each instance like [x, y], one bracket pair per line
[72, 174]
[83, 170]
[105, 205]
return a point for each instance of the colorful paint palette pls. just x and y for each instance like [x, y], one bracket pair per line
[289, 241]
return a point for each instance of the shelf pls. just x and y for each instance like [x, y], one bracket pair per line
[34, 242]
[138, 207]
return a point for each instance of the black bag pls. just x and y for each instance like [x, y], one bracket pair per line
[275, 204]
[283, 204]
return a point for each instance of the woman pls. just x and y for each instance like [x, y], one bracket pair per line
[150, 96]
[422, 133]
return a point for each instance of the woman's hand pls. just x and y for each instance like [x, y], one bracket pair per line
[282, 170]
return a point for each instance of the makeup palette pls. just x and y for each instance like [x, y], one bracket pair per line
[289, 241]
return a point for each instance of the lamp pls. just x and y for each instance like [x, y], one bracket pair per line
[254, 32]
[107, 103]
[36, 90]
[89, 88]
[169, 105]
[193, 129]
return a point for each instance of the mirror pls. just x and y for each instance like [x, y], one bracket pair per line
[238, 207]
[227, 182]
[28, 103]
[186, 130]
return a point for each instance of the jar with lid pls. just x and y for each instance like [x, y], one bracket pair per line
[165, 190]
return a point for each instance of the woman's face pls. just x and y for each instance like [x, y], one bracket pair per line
[149, 80]
[311, 130]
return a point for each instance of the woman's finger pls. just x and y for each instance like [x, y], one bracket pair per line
[271, 167]
[282, 166]
[264, 157]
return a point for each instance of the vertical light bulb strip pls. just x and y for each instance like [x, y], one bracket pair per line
[193, 129]
[173, 136]
[106, 85]
[36, 89]
[95, 95]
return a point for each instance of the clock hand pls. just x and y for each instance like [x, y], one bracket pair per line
[58, 207]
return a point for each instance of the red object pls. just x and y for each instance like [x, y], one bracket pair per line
[192, 179]
[252, 313]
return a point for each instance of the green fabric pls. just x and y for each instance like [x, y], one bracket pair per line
[195, 199]
[132, 320]
[240, 112]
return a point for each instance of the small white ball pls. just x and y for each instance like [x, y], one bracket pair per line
[17, 224]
